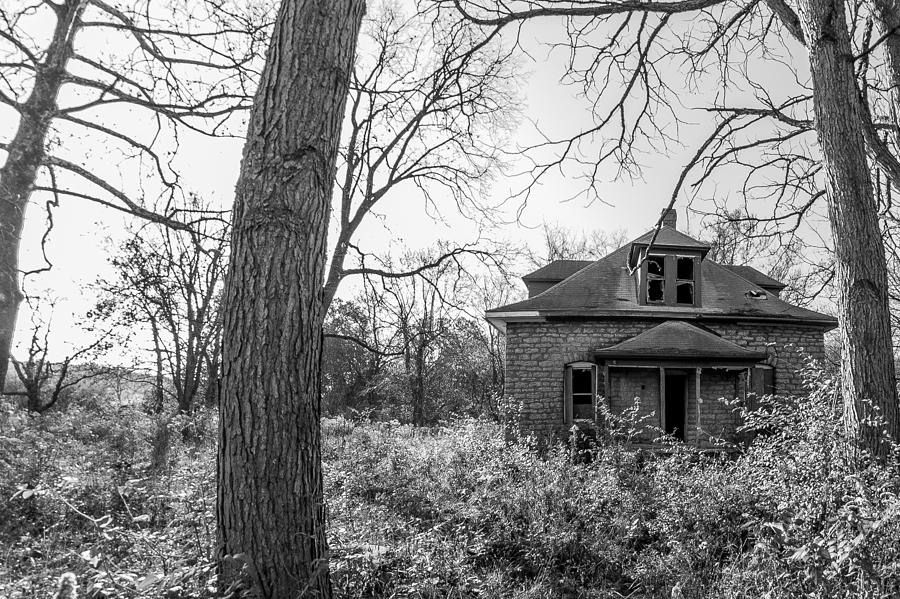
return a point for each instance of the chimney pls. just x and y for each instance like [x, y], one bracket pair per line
[670, 218]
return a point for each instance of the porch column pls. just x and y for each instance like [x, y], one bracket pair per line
[750, 405]
[605, 392]
[699, 401]
[606, 382]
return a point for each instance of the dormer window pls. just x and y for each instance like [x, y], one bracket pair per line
[656, 279]
[666, 265]
[684, 281]
[670, 280]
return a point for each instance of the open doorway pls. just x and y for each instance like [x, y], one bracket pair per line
[676, 404]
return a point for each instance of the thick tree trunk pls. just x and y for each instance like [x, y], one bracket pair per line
[25, 153]
[867, 357]
[271, 516]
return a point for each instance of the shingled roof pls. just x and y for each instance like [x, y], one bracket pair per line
[605, 288]
[679, 339]
[756, 277]
[558, 270]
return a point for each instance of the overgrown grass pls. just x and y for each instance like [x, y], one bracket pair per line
[459, 511]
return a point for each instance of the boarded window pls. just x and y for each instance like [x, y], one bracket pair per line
[762, 381]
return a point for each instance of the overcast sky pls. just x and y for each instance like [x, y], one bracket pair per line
[79, 244]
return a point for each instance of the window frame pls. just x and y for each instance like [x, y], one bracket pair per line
[670, 280]
[758, 384]
[655, 277]
[569, 396]
[692, 281]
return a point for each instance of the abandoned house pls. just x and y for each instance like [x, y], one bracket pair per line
[656, 329]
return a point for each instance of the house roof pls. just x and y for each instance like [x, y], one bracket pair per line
[605, 288]
[558, 270]
[670, 237]
[755, 276]
[675, 338]
[667, 238]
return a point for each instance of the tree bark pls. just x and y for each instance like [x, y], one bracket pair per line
[271, 516]
[867, 358]
[25, 154]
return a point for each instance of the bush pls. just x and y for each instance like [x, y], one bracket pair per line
[459, 511]
[78, 496]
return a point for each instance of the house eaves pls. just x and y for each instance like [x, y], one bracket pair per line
[499, 319]
[674, 339]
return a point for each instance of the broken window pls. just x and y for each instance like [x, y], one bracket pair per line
[685, 268]
[656, 290]
[656, 279]
[684, 282]
[671, 280]
[684, 293]
[581, 381]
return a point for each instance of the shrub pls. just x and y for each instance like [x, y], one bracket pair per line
[466, 509]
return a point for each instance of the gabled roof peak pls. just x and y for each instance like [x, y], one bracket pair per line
[668, 239]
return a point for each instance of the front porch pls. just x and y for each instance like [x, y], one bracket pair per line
[692, 402]
[677, 380]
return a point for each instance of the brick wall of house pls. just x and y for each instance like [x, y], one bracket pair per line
[719, 390]
[536, 355]
[635, 390]
[789, 347]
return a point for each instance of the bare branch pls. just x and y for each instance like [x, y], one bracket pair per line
[578, 9]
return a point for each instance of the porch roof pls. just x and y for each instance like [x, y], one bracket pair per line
[678, 340]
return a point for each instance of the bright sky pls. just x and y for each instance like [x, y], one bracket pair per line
[79, 244]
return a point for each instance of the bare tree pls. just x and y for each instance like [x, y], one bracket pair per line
[171, 281]
[43, 381]
[737, 237]
[818, 137]
[417, 310]
[271, 515]
[494, 290]
[891, 225]
[561, 243]
[430, 353]
[354, 364]
[186, 67]
[429, 110]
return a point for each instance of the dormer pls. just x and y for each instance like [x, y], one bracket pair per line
[667, 268]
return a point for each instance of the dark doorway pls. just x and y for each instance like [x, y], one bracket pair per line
[676, 404]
